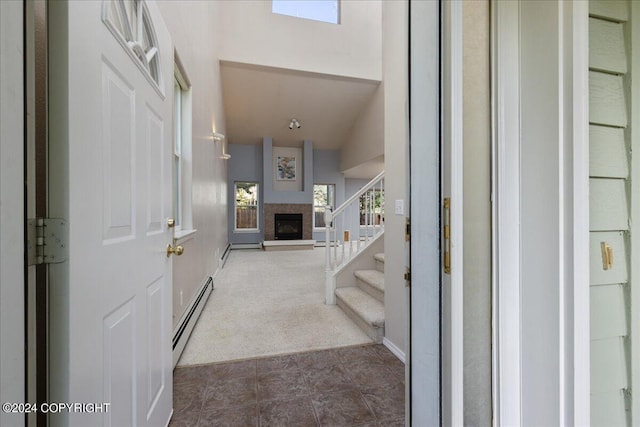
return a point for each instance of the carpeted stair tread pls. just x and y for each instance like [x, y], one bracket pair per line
[369, 309]
[373, 278]
[379, 257]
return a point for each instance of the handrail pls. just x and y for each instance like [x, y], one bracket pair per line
[351, 227]
[359, 193]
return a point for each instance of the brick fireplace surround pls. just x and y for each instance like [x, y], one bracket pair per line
[270, 209]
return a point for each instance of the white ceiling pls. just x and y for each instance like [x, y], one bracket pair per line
[261, 101]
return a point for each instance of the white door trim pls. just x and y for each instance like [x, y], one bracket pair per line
[573, 374]
[12, 302]
[452, 110]
[579, 32]
[506, 213]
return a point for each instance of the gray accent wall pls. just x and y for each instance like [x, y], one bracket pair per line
[254, 163]
[273, 196]
[245, 164]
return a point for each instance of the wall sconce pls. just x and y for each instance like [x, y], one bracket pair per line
[220, 137]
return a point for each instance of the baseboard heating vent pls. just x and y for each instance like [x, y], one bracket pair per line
[187, 322]
[225, 255]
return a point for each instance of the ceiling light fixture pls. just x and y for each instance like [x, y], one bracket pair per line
[294, 122]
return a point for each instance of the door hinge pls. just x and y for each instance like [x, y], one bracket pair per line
[407, 230]
[407, 277]
[46, 241]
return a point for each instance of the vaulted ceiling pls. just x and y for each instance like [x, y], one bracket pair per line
[261, 101]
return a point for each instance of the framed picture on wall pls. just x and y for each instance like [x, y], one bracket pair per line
[286, 168]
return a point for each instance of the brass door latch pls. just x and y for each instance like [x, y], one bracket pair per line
[446, 234]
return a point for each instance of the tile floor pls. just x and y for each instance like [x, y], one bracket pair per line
[350, 386]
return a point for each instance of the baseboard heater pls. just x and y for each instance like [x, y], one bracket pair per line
[187, 322]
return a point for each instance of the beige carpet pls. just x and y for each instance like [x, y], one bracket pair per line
[269, 303]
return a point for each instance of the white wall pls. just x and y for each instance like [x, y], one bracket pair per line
[253, 34]
[396, 140]
[194, 28]
[12, 355]
[365, 141]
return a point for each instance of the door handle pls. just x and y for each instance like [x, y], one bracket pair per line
[177, 250]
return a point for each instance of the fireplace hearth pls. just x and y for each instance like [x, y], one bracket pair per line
[288, 226]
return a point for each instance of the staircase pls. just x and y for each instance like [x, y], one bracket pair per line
[364, 303]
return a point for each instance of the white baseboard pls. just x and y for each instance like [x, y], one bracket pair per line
[394, 349]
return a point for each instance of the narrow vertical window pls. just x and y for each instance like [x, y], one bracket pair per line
[182, 164]
[246, 206]
[177, 154]
[323, 196]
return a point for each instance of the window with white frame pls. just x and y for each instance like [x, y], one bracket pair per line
[316, 10]
[246, 206]
[323, 196]
[182, 210]
[371, 207]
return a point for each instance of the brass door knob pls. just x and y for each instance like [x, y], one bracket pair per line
[177, 250]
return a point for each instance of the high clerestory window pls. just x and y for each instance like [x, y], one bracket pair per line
[317, 10]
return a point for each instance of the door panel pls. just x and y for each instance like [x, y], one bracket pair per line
[116, 309]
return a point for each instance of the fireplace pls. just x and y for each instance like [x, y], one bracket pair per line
[288, 226]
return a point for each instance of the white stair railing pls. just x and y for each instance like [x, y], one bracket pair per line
[352, 227]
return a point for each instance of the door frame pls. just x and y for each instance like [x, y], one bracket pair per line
[573, 215]
[426, 51]
[13, 375]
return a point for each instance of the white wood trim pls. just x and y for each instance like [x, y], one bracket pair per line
[563, 195]
[506, 213]
[394, 349]
[12, 302]
[456, 101]
[635, 212]
[581, 295]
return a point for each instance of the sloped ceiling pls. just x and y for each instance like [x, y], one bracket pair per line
[261, 101]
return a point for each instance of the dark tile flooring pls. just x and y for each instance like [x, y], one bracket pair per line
[351, 386]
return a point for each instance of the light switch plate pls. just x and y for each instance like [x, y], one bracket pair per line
[399, 207]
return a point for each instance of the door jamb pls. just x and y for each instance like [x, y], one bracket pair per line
[574, 311]
[452, 118]
[506, 369]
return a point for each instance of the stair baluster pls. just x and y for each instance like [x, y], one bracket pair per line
[357, 216]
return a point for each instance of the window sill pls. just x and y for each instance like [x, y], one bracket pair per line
[246, 230]
[185, 235]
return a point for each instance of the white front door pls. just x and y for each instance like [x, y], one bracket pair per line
[111, 81]
[436, 298]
